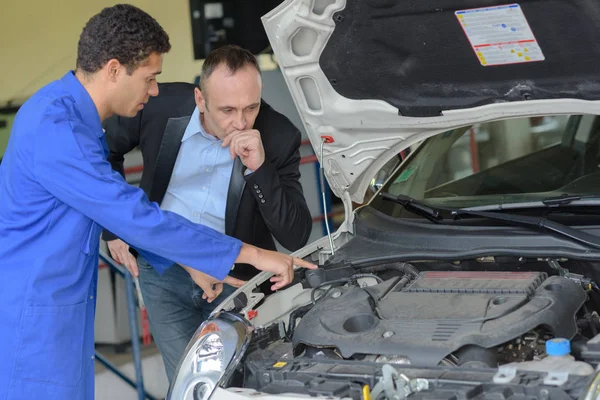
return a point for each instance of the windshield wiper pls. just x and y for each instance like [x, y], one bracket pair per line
[554, 202]
[572, 199]
[535, 222]
[414, 206]
[561, 200]
[433, 215]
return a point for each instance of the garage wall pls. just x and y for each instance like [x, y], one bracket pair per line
[38, 41]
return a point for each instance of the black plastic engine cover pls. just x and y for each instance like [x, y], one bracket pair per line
[441, 312]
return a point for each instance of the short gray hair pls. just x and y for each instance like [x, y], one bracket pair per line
[234, 57]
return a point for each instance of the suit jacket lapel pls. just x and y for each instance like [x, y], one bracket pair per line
[167, 155]
[237, 183]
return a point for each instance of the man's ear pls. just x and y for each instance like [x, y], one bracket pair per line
[113, 68]
[200, 100]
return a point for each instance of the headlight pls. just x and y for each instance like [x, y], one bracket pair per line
[211, 357]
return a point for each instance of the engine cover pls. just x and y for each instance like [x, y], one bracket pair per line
[440, 312]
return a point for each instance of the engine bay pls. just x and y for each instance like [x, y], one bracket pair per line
[485, 314]
[436, 314]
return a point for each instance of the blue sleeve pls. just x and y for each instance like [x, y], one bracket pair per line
[70, 162]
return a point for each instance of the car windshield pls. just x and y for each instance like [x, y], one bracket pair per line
[506, 161]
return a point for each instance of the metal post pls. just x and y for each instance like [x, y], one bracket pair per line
[135, 337]
[133, 326]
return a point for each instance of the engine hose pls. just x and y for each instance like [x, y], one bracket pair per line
[358, 276]
[590, 320]
[399, 283]
[294, 315]
[403, 267]
[408, 272]
[588, 323]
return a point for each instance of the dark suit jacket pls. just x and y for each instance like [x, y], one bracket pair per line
[267, 202]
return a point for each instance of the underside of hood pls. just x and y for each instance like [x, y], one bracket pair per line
[371, 77]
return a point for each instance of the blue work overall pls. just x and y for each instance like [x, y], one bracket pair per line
[57, 191]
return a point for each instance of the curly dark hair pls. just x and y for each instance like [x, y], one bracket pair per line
[122, 32]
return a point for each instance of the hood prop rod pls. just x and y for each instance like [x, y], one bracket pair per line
[325, 214]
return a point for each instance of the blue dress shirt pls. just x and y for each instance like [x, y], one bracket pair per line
[200, 180]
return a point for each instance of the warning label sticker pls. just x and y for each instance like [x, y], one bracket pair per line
[500, 35]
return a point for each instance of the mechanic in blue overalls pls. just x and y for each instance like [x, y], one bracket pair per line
[57, 191]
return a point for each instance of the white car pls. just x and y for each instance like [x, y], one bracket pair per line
[470, 271]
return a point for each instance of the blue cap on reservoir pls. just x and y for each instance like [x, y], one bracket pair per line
[558, 347]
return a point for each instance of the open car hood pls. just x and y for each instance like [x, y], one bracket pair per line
[372, 77]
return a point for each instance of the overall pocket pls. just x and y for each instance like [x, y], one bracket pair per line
[92, 239]
[51, 344]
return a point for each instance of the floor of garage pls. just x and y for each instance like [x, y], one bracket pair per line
[111, 387]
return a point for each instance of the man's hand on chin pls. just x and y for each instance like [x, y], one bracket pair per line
[248, 146]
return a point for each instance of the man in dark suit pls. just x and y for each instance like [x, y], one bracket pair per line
[218, 156]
